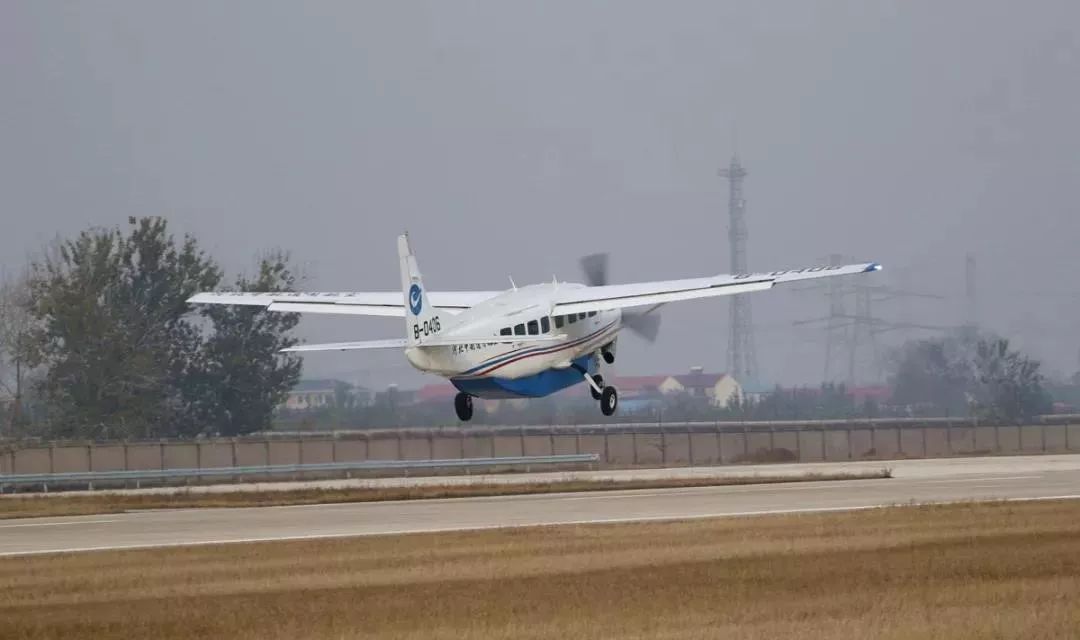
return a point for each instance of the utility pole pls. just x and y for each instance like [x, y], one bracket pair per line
[971, 310]
[742, 360]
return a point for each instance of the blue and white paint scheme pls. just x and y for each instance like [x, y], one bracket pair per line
[528, 341]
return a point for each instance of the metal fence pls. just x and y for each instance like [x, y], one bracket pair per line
[616, 445]
[239, 473]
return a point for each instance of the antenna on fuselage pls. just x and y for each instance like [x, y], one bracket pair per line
[512, 285]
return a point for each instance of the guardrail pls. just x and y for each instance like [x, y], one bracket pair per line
[90, 477]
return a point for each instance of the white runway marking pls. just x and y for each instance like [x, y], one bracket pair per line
[53, 524]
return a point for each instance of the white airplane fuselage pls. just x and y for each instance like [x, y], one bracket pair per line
[542, 363]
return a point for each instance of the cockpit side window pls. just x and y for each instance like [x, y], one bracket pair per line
[505, 331]
[534, 327]
[545, 324]
[519, 329]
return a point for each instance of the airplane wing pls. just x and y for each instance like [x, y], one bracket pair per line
[616, 296]
[376, 303]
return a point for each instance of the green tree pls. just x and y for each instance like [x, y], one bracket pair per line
[241, 377]
[113, 331]
[1011, 384]
[935, 375]
[16, 324]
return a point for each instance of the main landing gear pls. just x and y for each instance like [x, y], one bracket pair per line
[463, 406]
[608, 396]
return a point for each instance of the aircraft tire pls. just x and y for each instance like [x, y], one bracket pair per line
[608, 356]
[463, 406]
[599, 379]
[609, 401]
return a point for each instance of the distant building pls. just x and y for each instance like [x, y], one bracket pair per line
[439, 392]
[879, 395]
[641, 386]
[754, 392]
[719, 388]
[310, 395]
[395, 397]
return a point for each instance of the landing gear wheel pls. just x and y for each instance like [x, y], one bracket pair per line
[608, 356]
[609, 401]
[463, 406]
[599, 380]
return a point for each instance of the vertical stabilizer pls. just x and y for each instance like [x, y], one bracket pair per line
[421, 320]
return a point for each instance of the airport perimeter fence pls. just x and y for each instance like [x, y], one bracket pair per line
[616, 445]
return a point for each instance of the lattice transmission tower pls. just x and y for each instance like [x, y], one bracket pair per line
[742, 359]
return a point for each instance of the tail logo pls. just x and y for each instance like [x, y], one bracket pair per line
[416, 301]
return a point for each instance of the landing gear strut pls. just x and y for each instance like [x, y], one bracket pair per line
[599, 380]
[608, 397]
[463, 406]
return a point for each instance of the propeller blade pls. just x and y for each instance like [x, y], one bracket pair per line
[646, 325]
[595, 268]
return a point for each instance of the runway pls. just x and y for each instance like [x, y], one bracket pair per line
[914, 481]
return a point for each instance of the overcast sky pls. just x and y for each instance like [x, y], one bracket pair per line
[510, 138]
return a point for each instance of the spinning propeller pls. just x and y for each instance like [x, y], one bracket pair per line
[645, 324]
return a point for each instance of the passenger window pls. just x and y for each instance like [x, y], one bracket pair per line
[534, 327]
[545, 324]
[592, 313]
[571, 318]
[519, 330]
[581, 316]
[558, 322]
[505, 331]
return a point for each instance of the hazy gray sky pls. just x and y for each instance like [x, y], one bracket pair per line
[513, 137]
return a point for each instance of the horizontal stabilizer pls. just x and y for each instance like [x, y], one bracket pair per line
[392, 343]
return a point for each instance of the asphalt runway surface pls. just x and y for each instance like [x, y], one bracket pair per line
[914, 481]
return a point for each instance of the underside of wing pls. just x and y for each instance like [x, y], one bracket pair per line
[371, 303]
[618, 296]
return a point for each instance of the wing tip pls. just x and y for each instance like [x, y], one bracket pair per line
[873, 266]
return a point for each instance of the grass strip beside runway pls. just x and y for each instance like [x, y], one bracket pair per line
[995, 570]
[16, 506]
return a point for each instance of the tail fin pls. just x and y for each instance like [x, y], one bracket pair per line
[421, 319]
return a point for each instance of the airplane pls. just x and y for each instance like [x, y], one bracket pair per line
[525, 342]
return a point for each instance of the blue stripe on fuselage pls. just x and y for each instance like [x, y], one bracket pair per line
[538, 385]
[494, 360]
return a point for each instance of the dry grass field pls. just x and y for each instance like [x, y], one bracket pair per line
[959, 571]
[35, 506]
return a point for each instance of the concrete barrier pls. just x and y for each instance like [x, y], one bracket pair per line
[616, 445]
